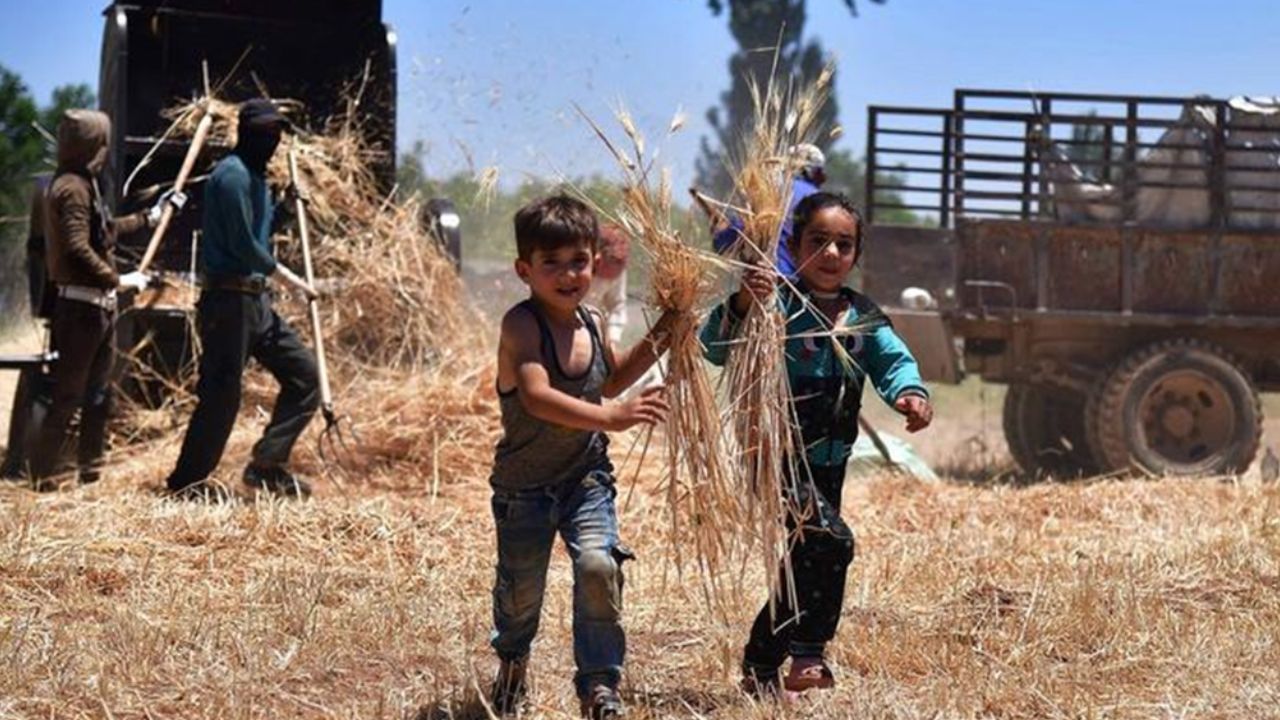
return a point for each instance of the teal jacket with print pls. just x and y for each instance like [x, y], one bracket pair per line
[826, 385]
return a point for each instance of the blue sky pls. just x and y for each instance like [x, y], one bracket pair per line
[495, 80]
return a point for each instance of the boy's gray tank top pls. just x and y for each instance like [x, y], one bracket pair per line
[534, 453]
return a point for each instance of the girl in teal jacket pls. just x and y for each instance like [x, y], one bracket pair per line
[826, 387]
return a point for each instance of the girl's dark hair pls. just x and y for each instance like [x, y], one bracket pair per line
[818, 202]
[554, 222]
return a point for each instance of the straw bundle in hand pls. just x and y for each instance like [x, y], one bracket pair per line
[702, 501]
[761, 415]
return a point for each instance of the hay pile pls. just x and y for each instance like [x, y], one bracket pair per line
[408, 353]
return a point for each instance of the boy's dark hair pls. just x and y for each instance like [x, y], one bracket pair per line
[554, 222]
[818, 202]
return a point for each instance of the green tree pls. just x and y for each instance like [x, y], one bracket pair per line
[848, 175]
[24, 153]
[757, 26]
[21, 148]
[64, 98]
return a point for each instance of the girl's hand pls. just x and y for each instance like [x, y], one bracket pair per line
[758, 284]
[917, 409]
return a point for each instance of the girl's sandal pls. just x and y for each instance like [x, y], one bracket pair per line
[809, 675]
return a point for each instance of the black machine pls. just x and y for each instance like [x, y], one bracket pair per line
[154, 55]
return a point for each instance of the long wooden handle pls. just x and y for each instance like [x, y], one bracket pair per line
[188, 163]
[300, 207]
[705, 205]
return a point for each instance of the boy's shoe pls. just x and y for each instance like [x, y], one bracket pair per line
[809, 673]
[201, 492]
[277, 481]
[510, 688]
[601, 702]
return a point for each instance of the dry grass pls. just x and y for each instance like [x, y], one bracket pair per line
[1115, 599]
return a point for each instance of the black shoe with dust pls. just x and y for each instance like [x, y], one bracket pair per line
[277, 481]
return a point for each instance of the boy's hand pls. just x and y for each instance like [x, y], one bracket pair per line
[648, 407]
[757, 284]
[917, 409]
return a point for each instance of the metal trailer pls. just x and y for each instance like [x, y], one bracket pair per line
[1125, 343]
[153, 55]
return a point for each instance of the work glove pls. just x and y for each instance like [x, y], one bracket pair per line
[176, 198]
[134, 281]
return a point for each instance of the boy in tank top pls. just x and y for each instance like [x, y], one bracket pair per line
[551, 471]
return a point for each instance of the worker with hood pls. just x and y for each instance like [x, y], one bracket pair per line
[80, 237]
[236, 321]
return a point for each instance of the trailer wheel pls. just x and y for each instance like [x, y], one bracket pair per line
[1178, 407]
[1045, 431]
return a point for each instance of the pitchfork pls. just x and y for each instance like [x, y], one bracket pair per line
[332, 436]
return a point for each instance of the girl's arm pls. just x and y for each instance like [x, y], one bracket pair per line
[722, 326]
[896, 376]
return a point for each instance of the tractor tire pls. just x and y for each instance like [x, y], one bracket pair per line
[1178, 407]
[1045, 431]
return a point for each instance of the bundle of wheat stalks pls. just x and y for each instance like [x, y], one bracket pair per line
[761, 415]
[703, 504]
[399, 331]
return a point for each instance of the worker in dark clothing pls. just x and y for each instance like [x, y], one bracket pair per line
[80, 238]
[236, 322]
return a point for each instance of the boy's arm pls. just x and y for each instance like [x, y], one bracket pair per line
[521, 344]
[626, 366]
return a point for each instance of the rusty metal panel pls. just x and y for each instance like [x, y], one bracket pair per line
[1084, 268]
[1000, 252]
[1172, 272]
[900, 256]
[1250, 280]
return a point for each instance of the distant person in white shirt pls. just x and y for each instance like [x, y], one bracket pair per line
[609, 286]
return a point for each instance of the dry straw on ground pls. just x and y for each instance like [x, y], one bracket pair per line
[1112, 600]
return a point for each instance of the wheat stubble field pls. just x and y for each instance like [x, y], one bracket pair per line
[1106, 599]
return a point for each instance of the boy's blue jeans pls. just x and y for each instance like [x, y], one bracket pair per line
[527, 521]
